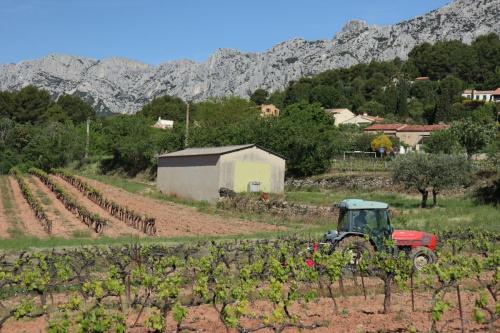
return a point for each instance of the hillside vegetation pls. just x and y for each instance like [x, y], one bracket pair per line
[36, 131]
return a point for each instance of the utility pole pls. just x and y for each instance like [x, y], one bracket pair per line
[186, 137]
[88, 140]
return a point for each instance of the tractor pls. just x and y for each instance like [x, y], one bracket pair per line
[363, 227]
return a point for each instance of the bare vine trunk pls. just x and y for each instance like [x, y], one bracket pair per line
[387, 295]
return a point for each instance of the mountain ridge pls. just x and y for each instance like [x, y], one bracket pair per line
[121, 85]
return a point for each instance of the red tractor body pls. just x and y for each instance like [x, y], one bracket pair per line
[413, 239]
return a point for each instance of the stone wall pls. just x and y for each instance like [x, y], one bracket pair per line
[275, 206]
[364, 182]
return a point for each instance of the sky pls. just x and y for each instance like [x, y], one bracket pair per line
[155, 31]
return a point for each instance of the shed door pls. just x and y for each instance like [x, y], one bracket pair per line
[246, 172]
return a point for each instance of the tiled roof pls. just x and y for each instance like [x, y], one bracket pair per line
[385, 127]
[423, 128]
[496, 92]
[405, 128]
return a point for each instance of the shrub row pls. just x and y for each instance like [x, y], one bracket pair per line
[131, 218]
[32, 201]
[92, 220]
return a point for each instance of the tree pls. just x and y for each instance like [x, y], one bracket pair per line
[328, 97]
[75, 108]
[450, 90]
[448, 172]
[473, 136]
[443, 142]
[131, 143]
[431, 172]
[31, 104]
[166, 107]
[372, 108]
[401, 98]
[259, 96]
[382, 141]
[53, 145]
[7, 104]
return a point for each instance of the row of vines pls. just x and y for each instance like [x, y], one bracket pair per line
[131, 218]
[111, 289]
[32, 201]
[92, 220]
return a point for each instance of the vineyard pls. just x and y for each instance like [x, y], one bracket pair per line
[61, 205]
[251, 286]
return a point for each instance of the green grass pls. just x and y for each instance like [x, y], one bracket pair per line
[452, 212]
[328, 198]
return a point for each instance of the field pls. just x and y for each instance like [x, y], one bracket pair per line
[252, 278]
[19, 226]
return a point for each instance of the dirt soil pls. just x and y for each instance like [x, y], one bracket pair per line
[177, 220]
[28, 222]
[115, 227]
[64, 223]
[355, 315]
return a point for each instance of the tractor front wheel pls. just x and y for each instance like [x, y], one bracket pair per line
[422, 257]
[358, 246]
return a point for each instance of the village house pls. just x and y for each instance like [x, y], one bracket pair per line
[269, 110]
[200, 173]
[412, 135]
[163, 123]
[482, 95]
[346, 116]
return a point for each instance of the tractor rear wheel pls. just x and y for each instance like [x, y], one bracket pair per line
[360, 248]
[422, 257]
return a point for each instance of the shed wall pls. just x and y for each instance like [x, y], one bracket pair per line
[194, 177]
[238, 168]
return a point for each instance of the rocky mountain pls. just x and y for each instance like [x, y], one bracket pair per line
[124, 86]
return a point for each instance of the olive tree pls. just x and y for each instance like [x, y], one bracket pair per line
[431, 173]
[473, 136]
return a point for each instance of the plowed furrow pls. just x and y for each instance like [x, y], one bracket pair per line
[114, 228]
[64, 223]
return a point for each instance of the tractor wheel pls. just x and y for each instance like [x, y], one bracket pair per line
[422, 257]
[358, 246]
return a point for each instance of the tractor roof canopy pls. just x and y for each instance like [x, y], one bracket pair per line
[362, 204]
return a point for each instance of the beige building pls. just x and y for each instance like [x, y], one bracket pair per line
[413, 135]
[199, 173]
[482, 95]
[340, 115]
[363, 120]
[346, 116]
[269, 110]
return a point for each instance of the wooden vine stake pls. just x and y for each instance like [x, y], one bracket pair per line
[460, 308]
[412, 292]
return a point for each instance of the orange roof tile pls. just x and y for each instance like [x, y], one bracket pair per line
[423, 128]
[385, 127]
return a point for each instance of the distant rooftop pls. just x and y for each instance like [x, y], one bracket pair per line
[406, 128]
